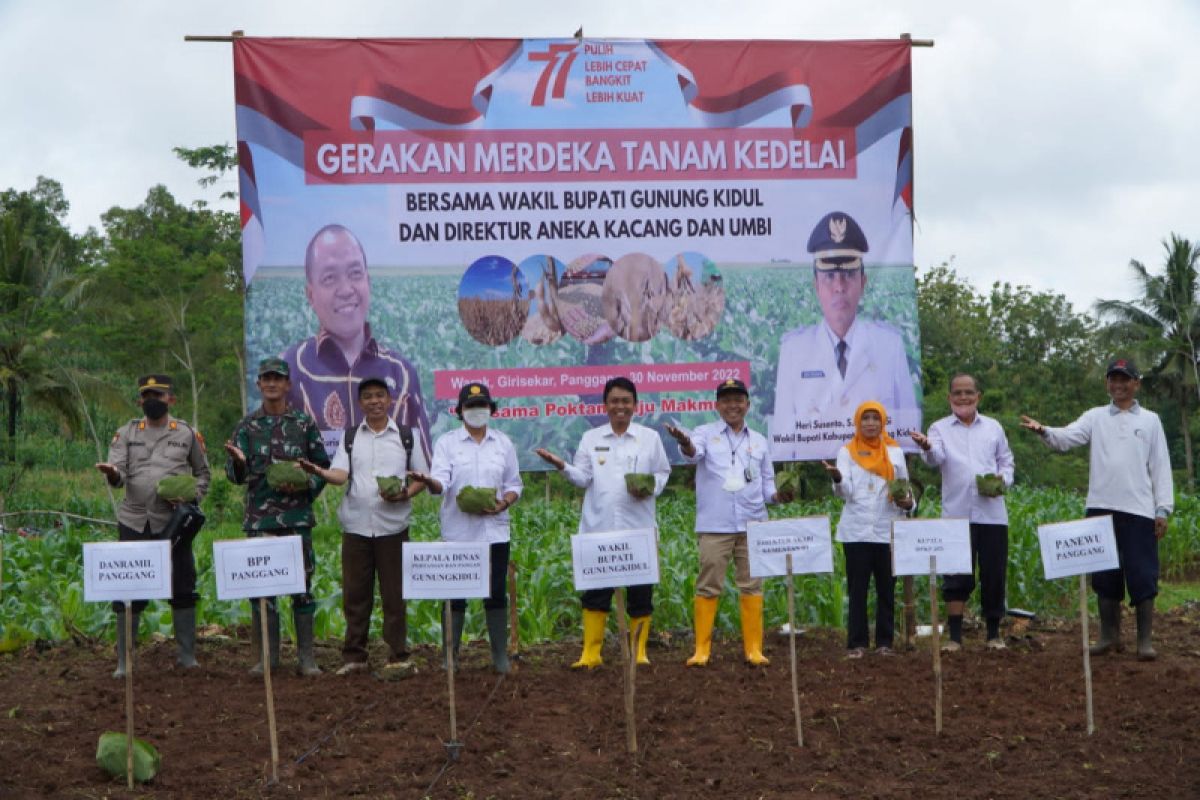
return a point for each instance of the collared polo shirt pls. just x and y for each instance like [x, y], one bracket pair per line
[459, 461]
[376, 455]
[721, 454]
[600, 465]
[963, 451]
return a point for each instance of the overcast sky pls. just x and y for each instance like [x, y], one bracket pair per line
[1054, 141]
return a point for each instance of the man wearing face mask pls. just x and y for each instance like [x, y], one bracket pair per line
[142, 453]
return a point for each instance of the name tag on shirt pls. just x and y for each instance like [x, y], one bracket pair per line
[813, 373]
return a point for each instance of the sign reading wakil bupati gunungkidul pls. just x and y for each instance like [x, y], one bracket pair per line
[541, 215]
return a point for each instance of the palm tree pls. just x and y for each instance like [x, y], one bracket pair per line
[1163, 325]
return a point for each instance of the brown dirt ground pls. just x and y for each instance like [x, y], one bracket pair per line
[1014, 724]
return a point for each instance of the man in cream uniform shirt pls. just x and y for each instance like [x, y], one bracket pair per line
[826, 370]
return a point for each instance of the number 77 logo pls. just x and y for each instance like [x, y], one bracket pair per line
[558, 57]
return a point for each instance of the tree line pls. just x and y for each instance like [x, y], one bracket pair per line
[159, 289]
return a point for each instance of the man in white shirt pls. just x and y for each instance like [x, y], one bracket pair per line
[606, 454]
[964, 445]
[735, 481]
[374, 524]
[1129, 477]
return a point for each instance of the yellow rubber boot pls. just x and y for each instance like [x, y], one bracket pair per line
[705, 615]
[643, 635]
[593, 639]
[752, 628]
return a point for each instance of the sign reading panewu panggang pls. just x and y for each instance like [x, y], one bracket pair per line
[1078, 547]
[265, 566]
[541, 215]
[446, 570]
[126, 571]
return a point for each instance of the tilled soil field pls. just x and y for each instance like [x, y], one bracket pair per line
[1014, 724]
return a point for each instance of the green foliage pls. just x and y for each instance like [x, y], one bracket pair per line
[476, 499]
[177, 489]
[111, 756]
[990, 485]
[286, 476]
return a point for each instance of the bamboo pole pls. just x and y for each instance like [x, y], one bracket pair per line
[936, 642]
[792, 648]
[628, 654]
[128, 622]
[1087, 654]
[448, 637]
[265, 655]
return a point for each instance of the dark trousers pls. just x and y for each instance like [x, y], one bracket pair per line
[183, 570]
[989, 551]
[497, 579]
[639, 600]
[866, 560]
[301, 603]
[364, 557]
[1137, 549]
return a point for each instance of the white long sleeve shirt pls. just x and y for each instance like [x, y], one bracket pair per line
[460, 461]
[363, 512]
[600, 466]
[720, 455]
[1129, 465]
[963, 451]
[868, 513]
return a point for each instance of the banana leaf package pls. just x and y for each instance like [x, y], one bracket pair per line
[178, 489]
[286, 476]
[899, 489]
[788, 481]
[990, 485]
[389, 485]
[640, 482]
[110, 756]
[476, 499]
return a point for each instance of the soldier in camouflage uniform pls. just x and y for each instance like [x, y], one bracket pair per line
[142, 453]
[273, 433]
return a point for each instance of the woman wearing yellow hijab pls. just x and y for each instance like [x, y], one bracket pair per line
[864, 467]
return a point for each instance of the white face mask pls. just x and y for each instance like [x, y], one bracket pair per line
[476, 417]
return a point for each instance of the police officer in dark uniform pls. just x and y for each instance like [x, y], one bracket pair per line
[142, 453]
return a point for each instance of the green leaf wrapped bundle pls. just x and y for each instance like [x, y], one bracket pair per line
[640, 483]
[990, 485]
[476, 499]
[899, 489]
[389, 485]
[178, 489]
[286, 476]
[110, 756]
[787, 481]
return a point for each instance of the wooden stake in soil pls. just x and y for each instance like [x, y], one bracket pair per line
[453, 746]
[629, 659]
[792, 649]
[129, 693]
[935, 639]
[1087, 656]
[265, 656]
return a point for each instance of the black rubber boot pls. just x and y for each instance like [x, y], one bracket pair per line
[1110, 627]
[256, 637]
[307, 665]
[1145, 623]
[185, 637]
[119, 672]
[458, 621]
[497, 628]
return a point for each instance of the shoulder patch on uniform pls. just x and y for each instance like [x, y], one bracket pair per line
[200, 439]
[116, 437]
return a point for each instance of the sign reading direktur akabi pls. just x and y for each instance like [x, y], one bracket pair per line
[806, 539]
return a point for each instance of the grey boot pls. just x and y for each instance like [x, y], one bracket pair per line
[1110, 627]
[256, 636]
[185, 636]
[458, 621]
[304, 644]
[119, 672]
[497, 628]
[1145, 622]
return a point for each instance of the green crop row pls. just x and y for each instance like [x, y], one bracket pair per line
[42, 592]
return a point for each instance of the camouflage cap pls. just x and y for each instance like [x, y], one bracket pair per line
[274, 365]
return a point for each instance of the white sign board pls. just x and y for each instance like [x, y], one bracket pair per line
[446, 570]
[265, 566]
[947, 540]
[615, 558]
[127, 571]
[1078, 547]
[805, 538]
